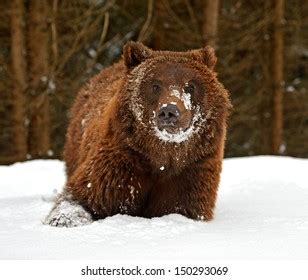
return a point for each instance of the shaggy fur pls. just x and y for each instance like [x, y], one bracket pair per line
[115, 162]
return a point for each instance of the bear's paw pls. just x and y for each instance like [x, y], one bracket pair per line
[68, 214]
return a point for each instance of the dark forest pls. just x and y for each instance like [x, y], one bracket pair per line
[49, 49]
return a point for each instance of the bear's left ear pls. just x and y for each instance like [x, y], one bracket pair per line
[206, 55]
[134, 53]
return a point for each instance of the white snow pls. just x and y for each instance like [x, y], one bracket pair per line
[136, 107]
[181, 135]
[67, 212]
[261, 213]
[185, 97]
[44, 79]
[26, 122]
[51, 86]
[138, 111]
[290, 89]
[50, 153]
[92, 52]
[83, 121]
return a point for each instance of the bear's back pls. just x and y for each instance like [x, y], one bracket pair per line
[91, 99]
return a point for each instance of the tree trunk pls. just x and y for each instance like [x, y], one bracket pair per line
[277, 72]
[38, 50]
[264, 110]
[18, 66]
[159, 31]
[210, 23]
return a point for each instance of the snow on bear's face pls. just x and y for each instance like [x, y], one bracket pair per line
[175, 104]
[168, 101]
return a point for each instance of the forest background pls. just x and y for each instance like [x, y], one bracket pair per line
[49, 49]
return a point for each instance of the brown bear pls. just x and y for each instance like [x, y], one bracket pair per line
[146, 138]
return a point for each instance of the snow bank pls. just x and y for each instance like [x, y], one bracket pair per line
[31, 178]
[261, 213]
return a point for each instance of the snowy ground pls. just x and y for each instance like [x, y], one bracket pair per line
[262, 213]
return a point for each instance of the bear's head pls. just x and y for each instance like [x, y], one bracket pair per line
[172, 107]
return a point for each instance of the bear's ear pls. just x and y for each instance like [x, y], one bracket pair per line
[134, 53]
[206, 55]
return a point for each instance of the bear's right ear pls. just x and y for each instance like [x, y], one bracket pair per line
[134, 53]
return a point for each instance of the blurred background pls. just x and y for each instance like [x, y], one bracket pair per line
[49, 48]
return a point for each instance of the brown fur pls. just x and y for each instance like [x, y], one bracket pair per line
[113, 160]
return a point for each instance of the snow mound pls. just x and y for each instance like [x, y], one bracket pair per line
[261, 213]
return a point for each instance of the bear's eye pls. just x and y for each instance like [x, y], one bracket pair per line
[189, 88]
[155, 88]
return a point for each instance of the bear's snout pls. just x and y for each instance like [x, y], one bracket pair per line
[172, 117]
[168, 115]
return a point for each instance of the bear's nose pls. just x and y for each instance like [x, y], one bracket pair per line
[168, 114]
